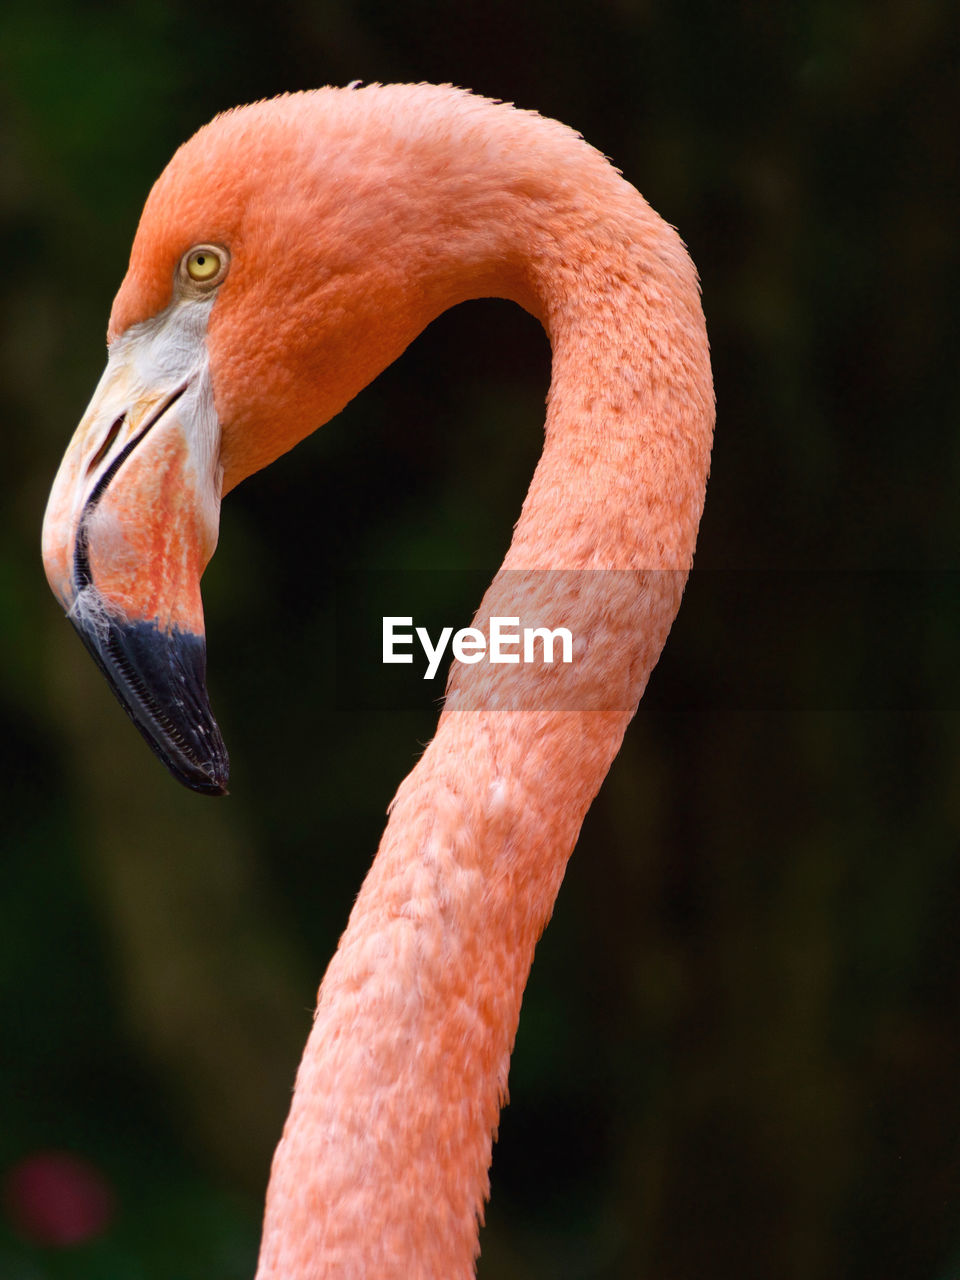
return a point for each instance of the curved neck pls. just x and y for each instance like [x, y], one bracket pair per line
[383, 1168]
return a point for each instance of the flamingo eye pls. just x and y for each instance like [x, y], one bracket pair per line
[205, 264]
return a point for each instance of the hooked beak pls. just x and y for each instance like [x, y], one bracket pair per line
[131, 523]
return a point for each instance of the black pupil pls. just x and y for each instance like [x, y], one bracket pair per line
[201, 260]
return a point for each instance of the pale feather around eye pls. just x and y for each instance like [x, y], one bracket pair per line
[170, 350]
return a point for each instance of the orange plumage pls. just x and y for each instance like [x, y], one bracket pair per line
[347, 220]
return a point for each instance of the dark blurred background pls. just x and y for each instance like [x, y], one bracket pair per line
[740, 1047]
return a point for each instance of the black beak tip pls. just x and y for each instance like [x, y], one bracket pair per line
[159, 678]
[209, 777]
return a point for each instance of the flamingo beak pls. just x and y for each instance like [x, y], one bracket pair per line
[131, 523]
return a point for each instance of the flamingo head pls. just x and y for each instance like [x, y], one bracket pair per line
[265, 288]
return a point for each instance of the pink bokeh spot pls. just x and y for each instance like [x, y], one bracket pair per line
[57, 1199]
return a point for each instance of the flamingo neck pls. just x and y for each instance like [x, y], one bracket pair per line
[383, 1167]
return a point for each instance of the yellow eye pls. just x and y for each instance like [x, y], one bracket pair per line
[205, 264]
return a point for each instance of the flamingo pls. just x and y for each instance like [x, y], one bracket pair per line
[287, 254]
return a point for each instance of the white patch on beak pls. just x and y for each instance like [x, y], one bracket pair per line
[147, 367]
